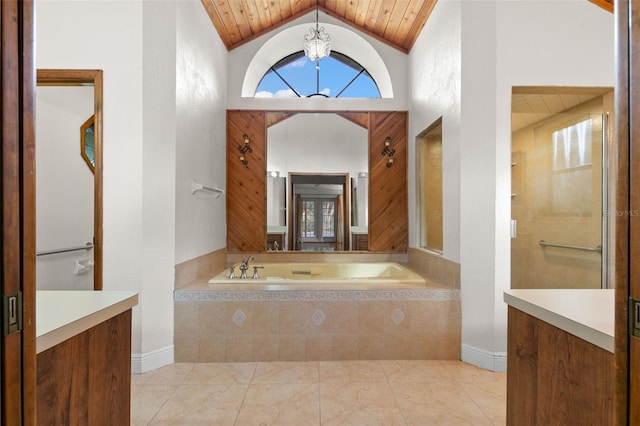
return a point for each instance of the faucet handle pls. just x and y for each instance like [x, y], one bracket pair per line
[232, 272]
[255, 271]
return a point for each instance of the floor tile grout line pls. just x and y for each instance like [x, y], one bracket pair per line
[163, 404]
[319, 397]
[163, 384]
[246, 392]
[395, 398]
[244, 398]
[464, 389]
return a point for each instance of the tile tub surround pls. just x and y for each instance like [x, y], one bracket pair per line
[200, 267]
[434, 267]
[311, 325]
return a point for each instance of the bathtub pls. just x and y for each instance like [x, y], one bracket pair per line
[322, 275]
[317, 311]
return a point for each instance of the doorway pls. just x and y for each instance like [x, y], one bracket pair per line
[559, 147]
[320, 204]
[69, 179]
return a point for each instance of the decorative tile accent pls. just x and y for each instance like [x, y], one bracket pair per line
[318, 317]
[397, 316]
[239, 317]
[315, 295]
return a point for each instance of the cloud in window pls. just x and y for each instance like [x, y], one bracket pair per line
[298, 63]
[285, 93]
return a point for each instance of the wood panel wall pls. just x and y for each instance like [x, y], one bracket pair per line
[388, 210]
[555, 378]
[86, 380]
[246, 185]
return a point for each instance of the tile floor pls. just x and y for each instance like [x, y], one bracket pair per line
[340, 393]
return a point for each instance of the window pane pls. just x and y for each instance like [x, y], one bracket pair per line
[308, 222]
[333, 77]
[328, 219]
[572, 146]
[363, 87]
[276, 87]
[301, 75]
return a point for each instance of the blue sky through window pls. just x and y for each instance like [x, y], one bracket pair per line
[300, 74]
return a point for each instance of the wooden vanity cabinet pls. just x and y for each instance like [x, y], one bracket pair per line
[360, 242]
[83, 360]
[554, 377]
[87, 379]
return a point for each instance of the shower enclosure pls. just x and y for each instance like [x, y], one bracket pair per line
[559, 187]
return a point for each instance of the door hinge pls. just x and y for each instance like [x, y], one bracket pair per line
[634, 317]
[12, 313]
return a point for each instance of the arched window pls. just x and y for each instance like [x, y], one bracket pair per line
[335, 76]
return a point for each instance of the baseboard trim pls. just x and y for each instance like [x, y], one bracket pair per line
[141, 363]
[494, 361]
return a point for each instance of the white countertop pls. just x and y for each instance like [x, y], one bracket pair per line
[273, 229]
[359, 229]
[585, 313]
[61, 315]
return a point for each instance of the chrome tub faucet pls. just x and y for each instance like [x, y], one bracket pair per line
[244, 266]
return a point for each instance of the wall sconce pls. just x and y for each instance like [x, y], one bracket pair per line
[388, 151]
[244, 149]
[273, 174]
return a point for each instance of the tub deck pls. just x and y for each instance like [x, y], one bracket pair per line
[321, 276]
[364, 284]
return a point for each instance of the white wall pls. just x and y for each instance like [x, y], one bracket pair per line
[499, 45]
[154, 109]
[201, 72]
[478, 186]
[240, 58]
[108, 35]
[538, 43]
[158, 185]
[64, 188]
[435, 81]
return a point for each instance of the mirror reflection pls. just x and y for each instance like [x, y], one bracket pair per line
[316, 182]
[429, 153]
[87, 144]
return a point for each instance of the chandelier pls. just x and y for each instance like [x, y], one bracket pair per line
[317, 43]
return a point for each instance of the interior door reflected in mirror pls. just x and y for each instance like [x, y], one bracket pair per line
[317, 181]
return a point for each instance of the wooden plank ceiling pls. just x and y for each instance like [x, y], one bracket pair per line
[395, 22]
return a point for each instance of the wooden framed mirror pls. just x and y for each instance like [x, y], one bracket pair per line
[92, 80]
[386, 178]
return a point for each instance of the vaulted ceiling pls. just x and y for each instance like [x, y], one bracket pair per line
[394, 22]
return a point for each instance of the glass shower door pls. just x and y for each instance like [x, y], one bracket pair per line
[558, 194]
